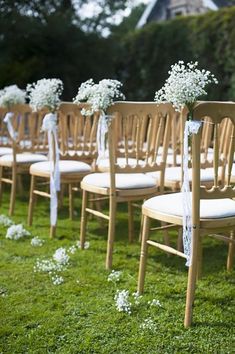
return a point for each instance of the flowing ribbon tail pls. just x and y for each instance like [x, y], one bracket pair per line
[7, 120]
[191, 127]
[101, 132]
[49, 125]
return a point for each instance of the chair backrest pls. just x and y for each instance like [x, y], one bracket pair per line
[220, 114]
[77, 133]
[27, 127]
[139, 134]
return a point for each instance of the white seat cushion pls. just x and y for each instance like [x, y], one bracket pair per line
[171, 204]
[24, 158]
[174, 174]
[123, 180]
[65, 166]
[5, 150]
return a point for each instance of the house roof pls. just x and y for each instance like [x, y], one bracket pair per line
[152, 5]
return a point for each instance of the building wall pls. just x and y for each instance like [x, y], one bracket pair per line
[166, 9]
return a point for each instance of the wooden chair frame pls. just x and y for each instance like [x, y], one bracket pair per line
[76, 140]
[29, 139]
[217, 111]
[138, 130]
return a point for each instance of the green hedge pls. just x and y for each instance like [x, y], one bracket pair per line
[148, 53]
[31, 49]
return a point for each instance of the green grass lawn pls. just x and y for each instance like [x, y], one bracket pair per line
[80, 316]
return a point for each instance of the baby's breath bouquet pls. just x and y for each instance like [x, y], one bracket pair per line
[45, 93]
[99, 96]
[11, 95]
[184, 85]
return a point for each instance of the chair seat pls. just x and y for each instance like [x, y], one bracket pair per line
[172, 204]
[65, 167]
[123, 180]
[5, 150]
[24, 158]
[173, 174]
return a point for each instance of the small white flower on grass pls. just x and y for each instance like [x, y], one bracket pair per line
[86, 245]
[37, 242]
[114, 276]
[48, 266]
[60, 256]
[57, 280]
[5, 221]
[15, 232]
[155, 302]
[122, 301]
[72, 249]
[137, 297]
[148, 324]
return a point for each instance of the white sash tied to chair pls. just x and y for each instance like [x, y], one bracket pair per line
[191, 127]
[101, 136]
[7, 120]
[49, 124]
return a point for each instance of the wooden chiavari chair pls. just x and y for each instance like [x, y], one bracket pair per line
[213, 208]
[135, 136]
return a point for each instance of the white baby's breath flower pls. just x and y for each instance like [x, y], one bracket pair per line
[99, 96]
[137, 297]
[45, 93]
[155, 302]
[122, 301]
[11, 95]
[184, 85]
[86, 245]
[60, 256]
[72, 249]
[148, 324]
[57, 280]
[114, 276]
[37, 242]
[15, 232]
[48, 266]
[5, 221]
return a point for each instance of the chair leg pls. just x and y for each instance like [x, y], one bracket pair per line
[199, 258]
[111, 231]
[141, 227]
[20, 186]
[31, 200]
[1, 184]
[231, 250]
[143, 254]
[52, 231]
[83, 219]
[71, 204]
[180, 240]
[130, 222]
[13, 192]
[192, 277]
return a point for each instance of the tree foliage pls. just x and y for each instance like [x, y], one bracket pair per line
[45, 39]
[148, 53]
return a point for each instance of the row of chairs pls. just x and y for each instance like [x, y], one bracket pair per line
[144, 145]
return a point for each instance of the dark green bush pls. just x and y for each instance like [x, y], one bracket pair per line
[209, 39]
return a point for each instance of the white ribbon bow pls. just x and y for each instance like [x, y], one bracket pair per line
[49, 124]
[7, 120]
[191, 127]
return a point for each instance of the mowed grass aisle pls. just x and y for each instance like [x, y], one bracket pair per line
[80, 315]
